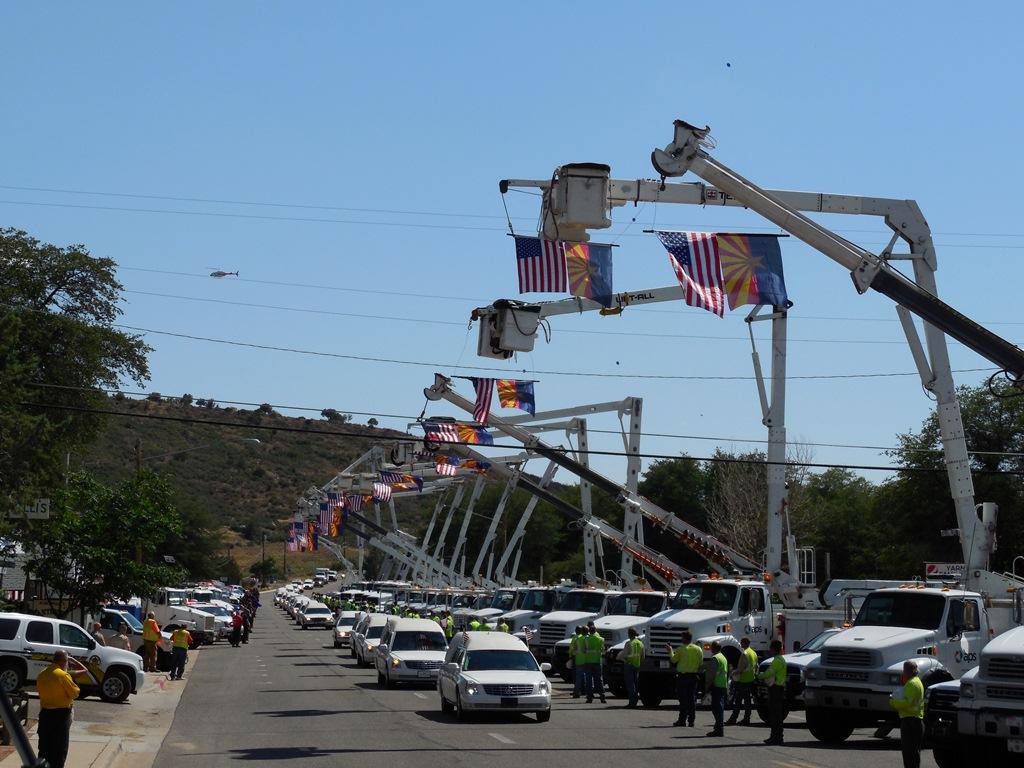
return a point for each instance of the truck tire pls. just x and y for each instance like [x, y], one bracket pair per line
[12, 675]
[115, 687]
[947, 757]
[650, 694]
[828, 728]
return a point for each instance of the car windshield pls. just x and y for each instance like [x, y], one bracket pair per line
[318, 611]
[635, 605]
[216, 610]
[498, 659]
[419, 641]
[900, 609]
[537, 600]
[586, 602]
[131, 621]
[374, 632]
[503, 600]
[712, 597]
[345, 621]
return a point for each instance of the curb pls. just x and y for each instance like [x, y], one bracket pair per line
[108, 754]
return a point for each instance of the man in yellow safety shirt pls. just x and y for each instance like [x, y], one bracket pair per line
[449, 627]
[775, 678]
[474, 625]
[150, 637]
[595, 658]
[578, 654]
[688, 659]
[632, 657]
[909, 705]
[503, 626]
[718, 677]
[181, 639]
[57, 692]
[743, 686]
[485, 627]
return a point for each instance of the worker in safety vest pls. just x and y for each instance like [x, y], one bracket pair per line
[485, 627]
[474, 625]
[632, 657]
[775, 678]
[743, 683]
[909, 705]
[595, 658]
[449, 626]
[688, 659]
[181, 639]
[503, 626]
[718, 678]
[150, 637]
[578, 654]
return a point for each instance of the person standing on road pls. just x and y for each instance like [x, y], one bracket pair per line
[743, 685]
[503, 626]
[633, 656]
[909, 705]
[687, 658]
[121, 639]
[595, 657]
[449, 626]
[97, 633]
[578, 654]
[474, 625]
[775, 678]
[150, 637]
[181, 639]
[718, 674]
[57, 693]
[236, 628]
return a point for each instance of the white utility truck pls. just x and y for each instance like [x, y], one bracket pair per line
[170, 606]
[577, 608]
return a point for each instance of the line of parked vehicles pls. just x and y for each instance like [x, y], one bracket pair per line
[842, 666]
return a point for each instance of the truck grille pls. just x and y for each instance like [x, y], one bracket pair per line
[423, 664]
[661, 635]
[508, 690]
[551, 632]
[1006, 668]
[1002, 692]
[846, 675]
[846, 657]
[943, 701]
[610, 636]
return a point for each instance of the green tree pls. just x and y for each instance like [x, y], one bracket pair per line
[265, 570]
[101, 542]
[57, 343]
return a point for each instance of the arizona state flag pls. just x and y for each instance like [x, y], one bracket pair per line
[517, 394]
[752, 269]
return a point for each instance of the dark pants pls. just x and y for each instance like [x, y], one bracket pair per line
[718, 706]
[686, 687]
[54, 728]
[742, 696]
[631, 675]
[776, 710]
[236, 636]
[911, 737]
[595, 683]
[579, 685]
[178, 658]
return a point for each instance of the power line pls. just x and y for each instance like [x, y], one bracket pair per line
[409, 417]
[567, 451]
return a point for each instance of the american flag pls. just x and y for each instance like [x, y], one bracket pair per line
[326, 514]
[484, 393]
[541, 265]
[392, 477]
[529, 634]
[694, 259]
[354, 501]
[445, 432]
[446, 466]
[465, 637]
[381, 492]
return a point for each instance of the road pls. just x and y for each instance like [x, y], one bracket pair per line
[290, 698]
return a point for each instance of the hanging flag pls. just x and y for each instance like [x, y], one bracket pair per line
[451, 432]
[381, 492]
[476, 466]
[446, 466]
[325, 518]
[590, 271]
[752, 268]
[354, 502]
[402, 479]
[516, 394]
[694, 259]
[300, 536]
[484, 391]
[541, 265]
[293, 543]
[474, 435]
[311, 537]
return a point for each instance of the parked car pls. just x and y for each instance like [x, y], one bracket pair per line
[410, 650]
[27, 645]
[111, 618]
[493, 671]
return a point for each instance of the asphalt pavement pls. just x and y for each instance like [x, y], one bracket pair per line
[290, 698]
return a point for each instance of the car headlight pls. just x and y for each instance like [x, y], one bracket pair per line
[369, 647]
[967, 690]
[812, 674]
[894, 679]
[396, 663]
[543, 687]
[469, 689]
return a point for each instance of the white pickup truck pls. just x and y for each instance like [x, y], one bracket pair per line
[980, 718]
[941, 628]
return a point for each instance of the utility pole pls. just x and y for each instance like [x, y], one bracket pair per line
[138, 456]
[263, 559]
[284, 558]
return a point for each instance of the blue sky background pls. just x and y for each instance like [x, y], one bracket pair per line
[416, 111]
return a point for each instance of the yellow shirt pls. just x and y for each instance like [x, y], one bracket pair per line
[56, 688]
[150, 631]
[181, 638]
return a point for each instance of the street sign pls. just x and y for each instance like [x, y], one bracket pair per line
[38, 511]
[943, 569]
[949, 533]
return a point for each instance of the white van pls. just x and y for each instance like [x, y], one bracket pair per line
[27, 645]
[410, 651]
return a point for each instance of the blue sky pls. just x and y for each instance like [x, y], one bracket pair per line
[385, 117]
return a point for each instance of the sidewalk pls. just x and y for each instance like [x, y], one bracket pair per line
[118, 735]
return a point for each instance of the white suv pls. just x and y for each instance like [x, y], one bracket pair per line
[27, 645]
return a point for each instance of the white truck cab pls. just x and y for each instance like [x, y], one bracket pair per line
[502, 601]
[942, 629]
[170, 606]
[578, 606]
[532, 604]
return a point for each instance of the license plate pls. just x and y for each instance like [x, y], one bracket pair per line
[509, 701]
[662, 665]
[1014, 721]
[424, 673]
[1015, 745]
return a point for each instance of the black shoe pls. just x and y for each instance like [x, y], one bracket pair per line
[604, 700]
[745, 721]
[689, 725]
[731, 721]
[716, 732]
[680, 723]
[590, 701]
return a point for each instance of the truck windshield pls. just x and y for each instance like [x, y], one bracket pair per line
[419, 641]
[900, 609]
[131, 621]
[504, 660]
[708, 596]
[503, 600]
[585, 602]
[463, 601]
[537, 600]
[636, 605]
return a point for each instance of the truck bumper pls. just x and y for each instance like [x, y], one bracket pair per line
[873, 705]
[992, 723]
